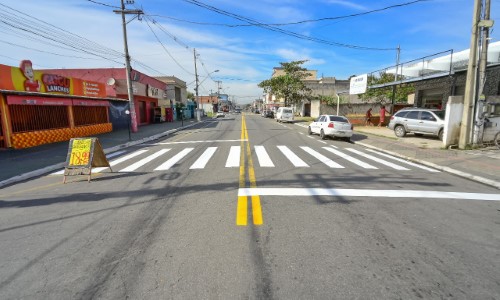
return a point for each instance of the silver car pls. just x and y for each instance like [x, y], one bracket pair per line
[419, 121]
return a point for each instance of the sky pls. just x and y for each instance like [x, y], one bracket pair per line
[244, 40]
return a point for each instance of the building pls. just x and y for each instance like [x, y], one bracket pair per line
[46, 106]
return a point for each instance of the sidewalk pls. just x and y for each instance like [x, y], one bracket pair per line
[481, 165]
[21, 164]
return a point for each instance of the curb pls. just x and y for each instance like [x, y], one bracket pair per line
[55, 167]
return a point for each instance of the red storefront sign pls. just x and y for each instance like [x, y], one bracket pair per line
[30, 100]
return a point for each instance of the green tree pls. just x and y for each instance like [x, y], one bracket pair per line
[384, 94]
[290, 85]
[190, 96]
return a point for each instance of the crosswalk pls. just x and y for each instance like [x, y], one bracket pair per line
[163, 159]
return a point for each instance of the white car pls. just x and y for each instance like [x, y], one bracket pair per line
[220, 114]
[334, 126]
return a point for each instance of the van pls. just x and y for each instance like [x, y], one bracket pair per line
[284, 114]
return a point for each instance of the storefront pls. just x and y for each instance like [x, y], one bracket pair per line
[38, 107]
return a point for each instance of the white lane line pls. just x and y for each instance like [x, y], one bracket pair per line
[175, 159]
[97, 170]
[197, 142]
[144, 161]
[311, 137]
[379, 160]
[322, 158]
[294, 159]
[323, 142]
[202, 161]
[404, 161]
[263, 157]
[365, 193]
[350, 158]
[233, 160]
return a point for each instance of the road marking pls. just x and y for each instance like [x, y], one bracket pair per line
[301, 192]
[404, 161]
[144, 161]
[322, 158]
[196, 142]
[381, 161]
[263, 157]
[202, 161]
[350, 158]
[233, 160]
[97, 170]
[175, 159]
[292, 157]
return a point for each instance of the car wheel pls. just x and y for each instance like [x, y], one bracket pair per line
[322, 134]
[441, 134]
[400, 131]
[348, 139]
[309, 131]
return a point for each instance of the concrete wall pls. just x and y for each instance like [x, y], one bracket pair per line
[453, 119]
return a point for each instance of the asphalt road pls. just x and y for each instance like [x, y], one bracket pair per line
[225, 210]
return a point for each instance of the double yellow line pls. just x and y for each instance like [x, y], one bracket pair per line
[246, 163]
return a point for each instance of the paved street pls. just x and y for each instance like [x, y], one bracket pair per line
[245, 207]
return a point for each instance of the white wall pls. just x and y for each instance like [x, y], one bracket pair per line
[453, 119]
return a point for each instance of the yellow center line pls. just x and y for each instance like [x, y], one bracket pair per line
[242, 207]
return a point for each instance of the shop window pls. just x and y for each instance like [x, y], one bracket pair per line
[38, 117]
[89, 115]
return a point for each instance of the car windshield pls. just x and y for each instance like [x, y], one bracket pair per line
[338, 119]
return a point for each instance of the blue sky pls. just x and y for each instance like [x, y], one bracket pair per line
[244, 55]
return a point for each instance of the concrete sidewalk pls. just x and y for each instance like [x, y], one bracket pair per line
[481, 165]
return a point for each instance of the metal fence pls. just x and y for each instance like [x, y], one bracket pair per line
[37, 117]
[431, 66]
[85, 115]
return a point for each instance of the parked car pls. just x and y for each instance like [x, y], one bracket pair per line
[284, 114]
[220, 114]
[269, 114]
[334, 126]
[419, 121]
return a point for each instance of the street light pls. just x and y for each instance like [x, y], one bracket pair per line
[338, 100]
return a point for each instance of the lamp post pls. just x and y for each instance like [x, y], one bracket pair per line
[127, 112]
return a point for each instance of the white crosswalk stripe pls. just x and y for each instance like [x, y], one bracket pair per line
[379, 160]
[292, 157]
[202, 161]
[120, 160]
[263, 157]
[233, 160]
[322, 158]
[144, 161]
[404, 161]
[171, 162]
[350, 158]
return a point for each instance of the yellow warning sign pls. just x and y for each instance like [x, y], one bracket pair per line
[83, 155]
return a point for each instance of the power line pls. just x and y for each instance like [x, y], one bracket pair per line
[294, 23]
[282, 31]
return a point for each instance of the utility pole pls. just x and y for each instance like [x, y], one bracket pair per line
[198, 112]
[485, 25]
[398, 52]
[123, 12]
[470, 84]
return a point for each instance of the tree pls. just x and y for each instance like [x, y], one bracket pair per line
[289, 86]
[190, 96]
[384, 94]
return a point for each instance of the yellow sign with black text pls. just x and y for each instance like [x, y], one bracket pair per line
[83, 155]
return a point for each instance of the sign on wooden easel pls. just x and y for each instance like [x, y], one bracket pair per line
[83, 155]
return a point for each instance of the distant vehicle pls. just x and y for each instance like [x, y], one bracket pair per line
[284, 114]
[237, 110]
[269, 114]
[334, 126]
[257, 111]
[419, 121]
[220, 114]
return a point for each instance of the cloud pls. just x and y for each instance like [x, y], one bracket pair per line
[349, 4]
